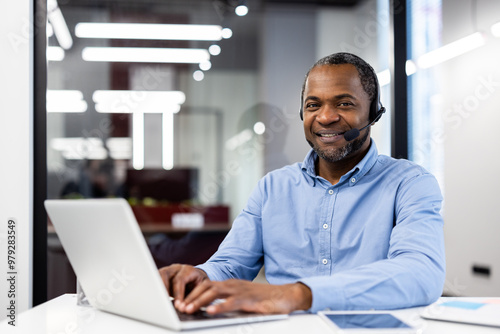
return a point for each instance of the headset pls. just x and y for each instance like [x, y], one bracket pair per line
[376, 110]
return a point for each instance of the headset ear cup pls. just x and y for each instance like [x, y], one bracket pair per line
[301, 113]
[376, 108]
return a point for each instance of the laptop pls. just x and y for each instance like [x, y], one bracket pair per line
[114, 266]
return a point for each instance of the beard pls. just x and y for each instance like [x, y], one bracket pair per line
[331, 154]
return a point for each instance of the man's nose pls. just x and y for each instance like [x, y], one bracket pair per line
[328, 115]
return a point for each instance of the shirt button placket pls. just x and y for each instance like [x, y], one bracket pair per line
[325, 252]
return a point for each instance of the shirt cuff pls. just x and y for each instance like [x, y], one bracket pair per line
[324, 295]
[211, 273]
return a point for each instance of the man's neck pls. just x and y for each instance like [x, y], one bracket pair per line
[333, 171]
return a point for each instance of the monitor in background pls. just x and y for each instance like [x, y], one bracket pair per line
[175, 185]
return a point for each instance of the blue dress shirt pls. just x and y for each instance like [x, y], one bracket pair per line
[374, 240]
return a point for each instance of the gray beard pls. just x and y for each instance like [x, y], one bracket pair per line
[334, 155]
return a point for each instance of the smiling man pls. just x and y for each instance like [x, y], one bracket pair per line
[345, 229]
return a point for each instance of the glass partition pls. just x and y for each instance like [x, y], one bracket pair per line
[184, 126]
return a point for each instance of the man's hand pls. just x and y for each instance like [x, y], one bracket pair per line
[177, 277]
[247, 296]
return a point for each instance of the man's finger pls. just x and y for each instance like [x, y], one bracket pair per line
[179, 287]
[228, 305]
[166, 274]
[202, 295]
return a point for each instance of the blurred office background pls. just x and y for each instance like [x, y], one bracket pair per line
[193, 135]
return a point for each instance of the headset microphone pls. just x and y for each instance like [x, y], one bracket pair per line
[354, 133]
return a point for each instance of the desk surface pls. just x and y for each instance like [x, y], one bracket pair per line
[62, 315]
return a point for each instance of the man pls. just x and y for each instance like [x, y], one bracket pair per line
[345, 229]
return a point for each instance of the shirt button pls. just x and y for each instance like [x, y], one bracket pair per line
[325, 226]
[353, 180]
[330, 192]
[325, 261]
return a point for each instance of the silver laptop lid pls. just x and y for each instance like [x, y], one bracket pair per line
[111, 259]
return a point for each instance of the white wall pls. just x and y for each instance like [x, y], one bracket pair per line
[471, 114]
[364, 31]
[232, 94]
[16, 66]
[288, 50]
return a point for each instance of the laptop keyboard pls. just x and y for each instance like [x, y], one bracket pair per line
[200, 315]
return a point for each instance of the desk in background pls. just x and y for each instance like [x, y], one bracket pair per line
[187, 245]
[62, 315]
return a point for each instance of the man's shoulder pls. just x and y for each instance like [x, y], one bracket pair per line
[286, 175]
[292, 170]
[402, 166]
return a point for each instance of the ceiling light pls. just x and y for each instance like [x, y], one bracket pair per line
[206, 65]
[241, 10]
[135, 101]
[451, 50]
[59, 25]
[55, 53]
[198, 75]
[120, 148]
[214, 50]
[384, 78]
[145, 55]
[495, 29]
[410, 67]
[78, 148]
[65, 101]
[259, 128]
[196, 32]
[138, 140]
[168, 141]
[227, 33]
[50, 30]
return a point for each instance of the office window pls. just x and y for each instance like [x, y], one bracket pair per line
[454, 99]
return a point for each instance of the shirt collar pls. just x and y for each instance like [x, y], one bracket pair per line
[355, 174]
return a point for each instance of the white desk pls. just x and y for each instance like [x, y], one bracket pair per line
[62, 315]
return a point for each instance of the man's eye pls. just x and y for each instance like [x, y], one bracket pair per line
[312, 105]
[345, 104]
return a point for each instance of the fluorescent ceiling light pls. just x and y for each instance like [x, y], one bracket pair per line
[410, 67]
[79, 148]
[59, 26]
[145, 55]
[55, 53]
[65, 101]
[138, 140]
[50, 30]
[384, 77]
[136, 101]
[168, 141]
[451, 50]
[495, 29]
[194, 32]
[120, 148]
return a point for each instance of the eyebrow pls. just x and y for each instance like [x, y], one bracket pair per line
[337, 97]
